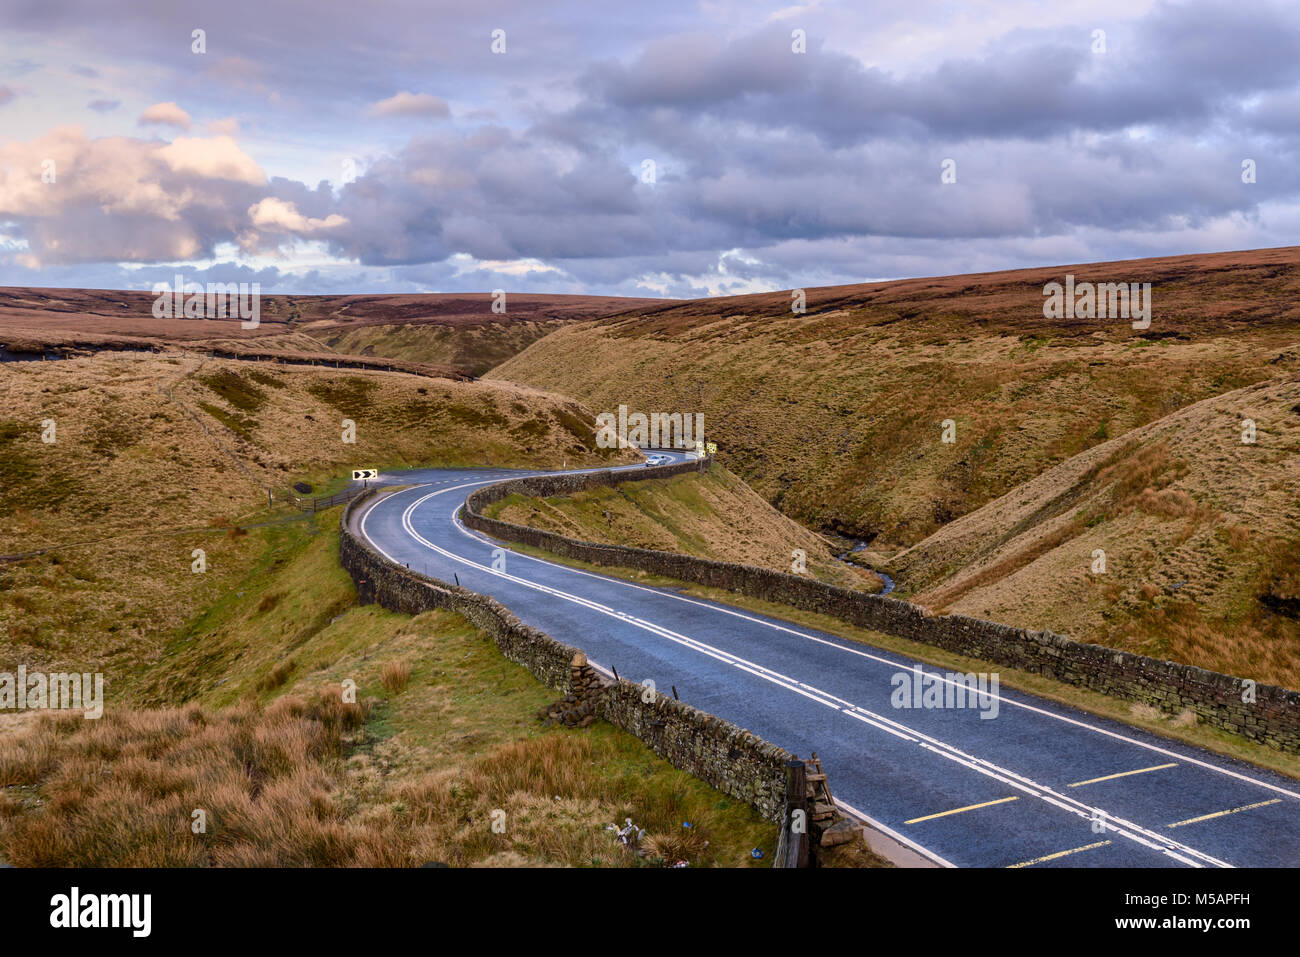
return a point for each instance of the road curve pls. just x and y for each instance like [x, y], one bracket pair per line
[1035, 784]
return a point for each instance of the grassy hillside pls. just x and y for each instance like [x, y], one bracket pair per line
[835, 416]
[455, 331]
[241, 715]
[710, 515]
[155, 457]
[224, 688]
[1201, 534]
[471, 348]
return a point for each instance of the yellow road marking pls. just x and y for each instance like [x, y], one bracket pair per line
[1052, 857]
[959, 810]
[1235, 810]
[1124, 774]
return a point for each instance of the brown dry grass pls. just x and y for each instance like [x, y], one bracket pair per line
[122, 791]
[139, 478]
[835, 416]
[452, 741]
[396, 675]
[670, 850]
[276, 788]
[230, 660]
[473, 349]
[1201, 534]
[277, 676]
[456, 332]
[711, 515]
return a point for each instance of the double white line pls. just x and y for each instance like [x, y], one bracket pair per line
[1112, 823]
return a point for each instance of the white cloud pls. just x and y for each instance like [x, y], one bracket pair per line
[277, 215]
[507, 267]
[215, 157]
[165, 114]
[122, 199]
[411, 104]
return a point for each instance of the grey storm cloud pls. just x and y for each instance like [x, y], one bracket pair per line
[339, 58]
[770, 166]
[1179, 65]
[494, 194]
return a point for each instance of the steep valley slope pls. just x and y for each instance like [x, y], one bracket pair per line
[837, 415]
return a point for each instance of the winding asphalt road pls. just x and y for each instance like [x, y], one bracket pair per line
[1038, 785]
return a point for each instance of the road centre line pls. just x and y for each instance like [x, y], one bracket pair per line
[1134, 832]
[1150, 839]
[886, 829]
[893, 664]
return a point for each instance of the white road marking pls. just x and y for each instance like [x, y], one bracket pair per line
[885, 661]
[1129, 830]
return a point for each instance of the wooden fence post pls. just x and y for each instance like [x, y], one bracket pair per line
[797, 848]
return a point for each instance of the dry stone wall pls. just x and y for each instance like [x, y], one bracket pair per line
[716, 751]
[1222, 701]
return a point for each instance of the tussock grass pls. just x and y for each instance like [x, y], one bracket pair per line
[686, 844]
[122, 791]
[277, 675]
[287, 775]
[276, 788]
[396, 676]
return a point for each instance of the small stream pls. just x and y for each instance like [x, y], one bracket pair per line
[888, 581]
[7, 356]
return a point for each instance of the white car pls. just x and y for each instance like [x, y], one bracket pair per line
[656, 459]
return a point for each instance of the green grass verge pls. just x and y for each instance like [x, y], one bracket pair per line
[292, 626]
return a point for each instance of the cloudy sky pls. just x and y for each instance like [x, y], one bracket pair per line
[667, 148]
